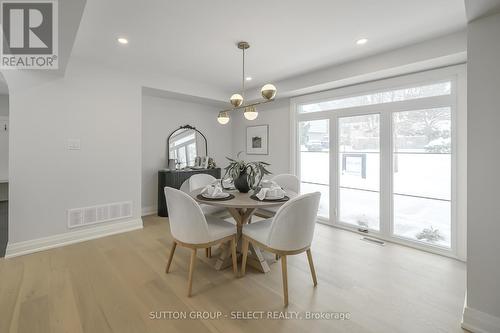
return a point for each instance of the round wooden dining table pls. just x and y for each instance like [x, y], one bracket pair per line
[242, 207]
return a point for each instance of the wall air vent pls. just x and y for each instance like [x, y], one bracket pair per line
[78, 217]
[75, 217]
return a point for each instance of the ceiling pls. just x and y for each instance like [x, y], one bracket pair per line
[195, 40]
[478, 8]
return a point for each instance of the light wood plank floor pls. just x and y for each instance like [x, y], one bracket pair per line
[112, 284]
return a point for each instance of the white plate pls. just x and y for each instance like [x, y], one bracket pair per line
[220, 195]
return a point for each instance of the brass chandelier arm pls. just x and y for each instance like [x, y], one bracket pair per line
[248, 105]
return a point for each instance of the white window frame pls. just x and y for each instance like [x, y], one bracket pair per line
[456, 100]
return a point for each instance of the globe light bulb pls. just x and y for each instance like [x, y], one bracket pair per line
[268, 91]
[223, 118]
[236, 100]
[250, 113]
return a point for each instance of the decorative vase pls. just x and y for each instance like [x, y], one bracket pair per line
[241, 183]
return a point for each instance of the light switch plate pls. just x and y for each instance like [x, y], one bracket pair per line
[74, 144]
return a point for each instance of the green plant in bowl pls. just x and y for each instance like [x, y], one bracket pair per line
[245, 175]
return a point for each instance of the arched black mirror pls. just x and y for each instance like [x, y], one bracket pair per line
[184, 145]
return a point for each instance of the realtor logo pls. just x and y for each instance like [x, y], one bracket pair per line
[29, 35]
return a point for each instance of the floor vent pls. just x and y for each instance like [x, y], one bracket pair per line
[78, 217]
[373, 240]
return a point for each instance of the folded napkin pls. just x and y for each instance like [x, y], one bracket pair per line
[268, 183]
[213, 191]
[274, 192]
[227, 183]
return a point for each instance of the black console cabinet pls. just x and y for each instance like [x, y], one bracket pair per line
[175, 178]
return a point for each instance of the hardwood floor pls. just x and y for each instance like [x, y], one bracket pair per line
[112, 284]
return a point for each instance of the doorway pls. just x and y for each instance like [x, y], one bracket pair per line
[383, 156]
[4, 166]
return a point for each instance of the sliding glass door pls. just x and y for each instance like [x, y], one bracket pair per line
[422, 175]
[383, 160]
[359, 171]
[314, 143]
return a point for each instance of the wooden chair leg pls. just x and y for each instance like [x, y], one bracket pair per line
[233, 254]
[311, 266]
[191, 269]
[170, 256]
[208, 252]
[244, 248]
[285, 279]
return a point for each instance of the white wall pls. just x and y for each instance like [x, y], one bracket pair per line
[4, 147]
[483, 266]
[4, 105]
[96, 105]
[277, 116]
[161, 116]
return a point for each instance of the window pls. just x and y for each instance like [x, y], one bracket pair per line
[359, 170]
[437, 89]
[422, 175]
[392, 171]
[183, 148]
[191, 153]
[314, 141]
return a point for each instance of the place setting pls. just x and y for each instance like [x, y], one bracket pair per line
[269, 191]
[214, 192]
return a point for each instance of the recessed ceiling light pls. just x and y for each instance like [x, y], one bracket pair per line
[122, 40]
[248, 78]
[362, 41]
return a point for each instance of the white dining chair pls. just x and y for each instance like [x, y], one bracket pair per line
[286, 181]
[185, 186]
[200, 180]
[207, 209]
[195, 182]
[192, 229]
[290, 232]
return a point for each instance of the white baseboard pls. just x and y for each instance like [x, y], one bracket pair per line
[149, 210]
[480, 322]
[50, 242]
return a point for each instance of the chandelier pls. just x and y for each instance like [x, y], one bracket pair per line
[268, 92]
